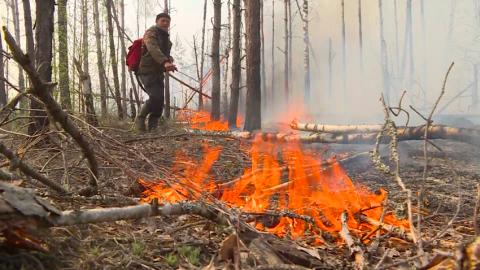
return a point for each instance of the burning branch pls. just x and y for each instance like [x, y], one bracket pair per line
[355, 249]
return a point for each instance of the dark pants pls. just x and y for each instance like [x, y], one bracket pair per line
[154, 87]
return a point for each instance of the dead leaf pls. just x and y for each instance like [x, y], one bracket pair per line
[228, 248]
[310, 251]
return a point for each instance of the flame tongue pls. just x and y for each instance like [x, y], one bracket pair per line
[282, 177]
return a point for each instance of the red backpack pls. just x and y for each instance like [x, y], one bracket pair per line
[134, 55]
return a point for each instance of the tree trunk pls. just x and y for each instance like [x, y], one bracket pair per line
[202, 57]
[306, 55]
[100, 65]
[16, 26]
[27, 18]
[64, 79]
[286, 52]
[236, 64]
[272, 86]
[360, 33]
[167, 77]
[397, 50]
[3, 93]
[475, 87]
[290, 43]
[408, 45]
[330, 67]
[45, 10]
[85, 74]
[113, 59]
[383, 55]
[217, 21]
[227, 61]
[123, 55]
[264, 77]
[344, 52]
[253, 119]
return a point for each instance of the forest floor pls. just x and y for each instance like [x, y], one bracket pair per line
[191, 242]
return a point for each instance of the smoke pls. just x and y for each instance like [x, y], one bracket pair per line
[440, 37]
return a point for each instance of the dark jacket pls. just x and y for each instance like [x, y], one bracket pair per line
[155, 51]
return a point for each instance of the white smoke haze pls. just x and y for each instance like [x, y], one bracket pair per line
[451, 33]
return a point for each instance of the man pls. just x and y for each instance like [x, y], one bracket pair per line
[155, 61]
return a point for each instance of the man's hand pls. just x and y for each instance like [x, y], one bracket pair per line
[170, 67]
[171, 59]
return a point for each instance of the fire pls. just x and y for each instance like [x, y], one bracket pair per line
[201, 120]
[282, 177]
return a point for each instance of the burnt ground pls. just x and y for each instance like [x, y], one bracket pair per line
[190, 242]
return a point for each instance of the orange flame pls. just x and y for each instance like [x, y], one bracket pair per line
[201, 120]
[282, 176]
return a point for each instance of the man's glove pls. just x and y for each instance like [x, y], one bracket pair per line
[169, 67]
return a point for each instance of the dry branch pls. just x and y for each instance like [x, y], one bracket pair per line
[41, 90]
[29, 171]
[354, 248]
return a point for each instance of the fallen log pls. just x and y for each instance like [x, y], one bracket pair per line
[358, 134]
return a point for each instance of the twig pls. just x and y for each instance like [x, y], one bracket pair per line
[425, 155]
[41, 90]
[29, 171]
[475, 212]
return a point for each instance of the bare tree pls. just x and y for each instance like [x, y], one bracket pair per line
[84, 74]
[202, 57]
[227, 61]
[397, 50]
[286, 52]
[360, 33]
[123, 55]
[27, 18]
[100, 64]
[383, 52]
[273, 50]
[64, 79]
[113, 59]
[45, 10]
[264, 79]
[306, 54]
[253, 119]
[344, 51]
[408, 46]
[330, 66]
[3, 93]
[236, 62]
[16, 27]
[217, 21]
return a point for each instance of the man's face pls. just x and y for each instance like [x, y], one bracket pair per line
[164, 24]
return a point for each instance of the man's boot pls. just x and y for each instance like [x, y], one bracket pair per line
[140, 120]
[153, 122]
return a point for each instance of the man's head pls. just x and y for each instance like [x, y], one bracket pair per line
[163, 21]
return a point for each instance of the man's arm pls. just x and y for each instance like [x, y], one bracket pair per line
[151, 42]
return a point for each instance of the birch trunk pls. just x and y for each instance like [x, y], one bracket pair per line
[90, 115]
[16, 27]
[383, 52]
[123, 53]
[202, 57]
[344, 52]
[3, 93]
[272, 86]
[360, 33]
[100, 64]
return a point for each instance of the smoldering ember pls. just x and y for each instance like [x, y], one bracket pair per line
[229, 134]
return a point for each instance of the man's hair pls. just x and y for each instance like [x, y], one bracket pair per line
[163, 15]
